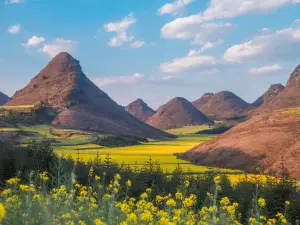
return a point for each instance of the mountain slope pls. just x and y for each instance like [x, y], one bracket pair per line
[262, 141]
[269, 95]
[289, 97]
[178, 112]
[224, 105]
[80, 103]
[199, 103]
[140, 110]
[3, 98]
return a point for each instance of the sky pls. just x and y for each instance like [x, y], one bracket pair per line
[154, 49]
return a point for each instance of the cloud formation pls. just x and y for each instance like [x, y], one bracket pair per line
[264, 69]
[174, 8]
[12, 2]
[190, 62]
[34, 41]
[137, 44]
[202, 27]
[137, 78]
[14, 29]
[120, 28]
[60, 45]
[280, 44]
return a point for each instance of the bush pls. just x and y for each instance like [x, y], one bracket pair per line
[218, 129]
[119, 140]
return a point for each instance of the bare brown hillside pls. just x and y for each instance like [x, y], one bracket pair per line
[289, 97]
[80, 103]
[222, 105]
[178, 112]
[140, 110]
[262, 141]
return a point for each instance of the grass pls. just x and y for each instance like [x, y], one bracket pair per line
[187, 130]
[290, 111]
[162, 152]
[9, 129]
[18, 107]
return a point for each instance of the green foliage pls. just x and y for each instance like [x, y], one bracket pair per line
[119, 140]
[218, 129]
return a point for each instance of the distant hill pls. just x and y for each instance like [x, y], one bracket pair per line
[287, 98]
[263, 141]
[3, 98]
[79, 102]
[199, 103]
[140, 110]
[178, 112]
[223, 105]
[269, 95]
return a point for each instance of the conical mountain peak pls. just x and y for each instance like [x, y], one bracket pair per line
[140, 110]
[269, 95]
[79, 102]
[178, 112]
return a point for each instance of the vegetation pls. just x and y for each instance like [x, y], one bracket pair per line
[291, 111]
[69, 192]
[187, 130]
[120, 140]
[218, 129]
[136, 156]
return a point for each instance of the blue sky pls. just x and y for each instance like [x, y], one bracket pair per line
[154, 50]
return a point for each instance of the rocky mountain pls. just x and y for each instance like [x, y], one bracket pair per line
[287, 98]
[3, 98]
[178, 112]
[263, 141]
[269, 95]
[79, 102]
[140, 110]
[222, 105]
[199, 103]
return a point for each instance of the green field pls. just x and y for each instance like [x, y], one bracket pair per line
[162, 152]
[187, 130]
[69, 142]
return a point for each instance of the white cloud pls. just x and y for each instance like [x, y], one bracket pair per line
[12, 1]
[120, 28]
[14, 29]
[34, 41]
[187, 27]
[60, 45]
[136, 78]
[137, 44]
[174, 8]
[206, 46]
[196, 30]
[279, 44]
[190, 62]
[265, 69]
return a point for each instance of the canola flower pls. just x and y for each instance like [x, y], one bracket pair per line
[28, 204]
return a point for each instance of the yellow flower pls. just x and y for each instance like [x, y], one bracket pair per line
[261, 202]
[13, 181]
[144, 195]
[217, 180]
[44, 176]
[91, 172]
[225, 201]
[2, 212]
[99, 222]
[186, 183]
[6, 192]
[97, 178]
[149, 190]
[171, 202]
[128, 183]
[179, 196]
[80, 222]
[146, 216]
[287, 203]
[131, 218]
